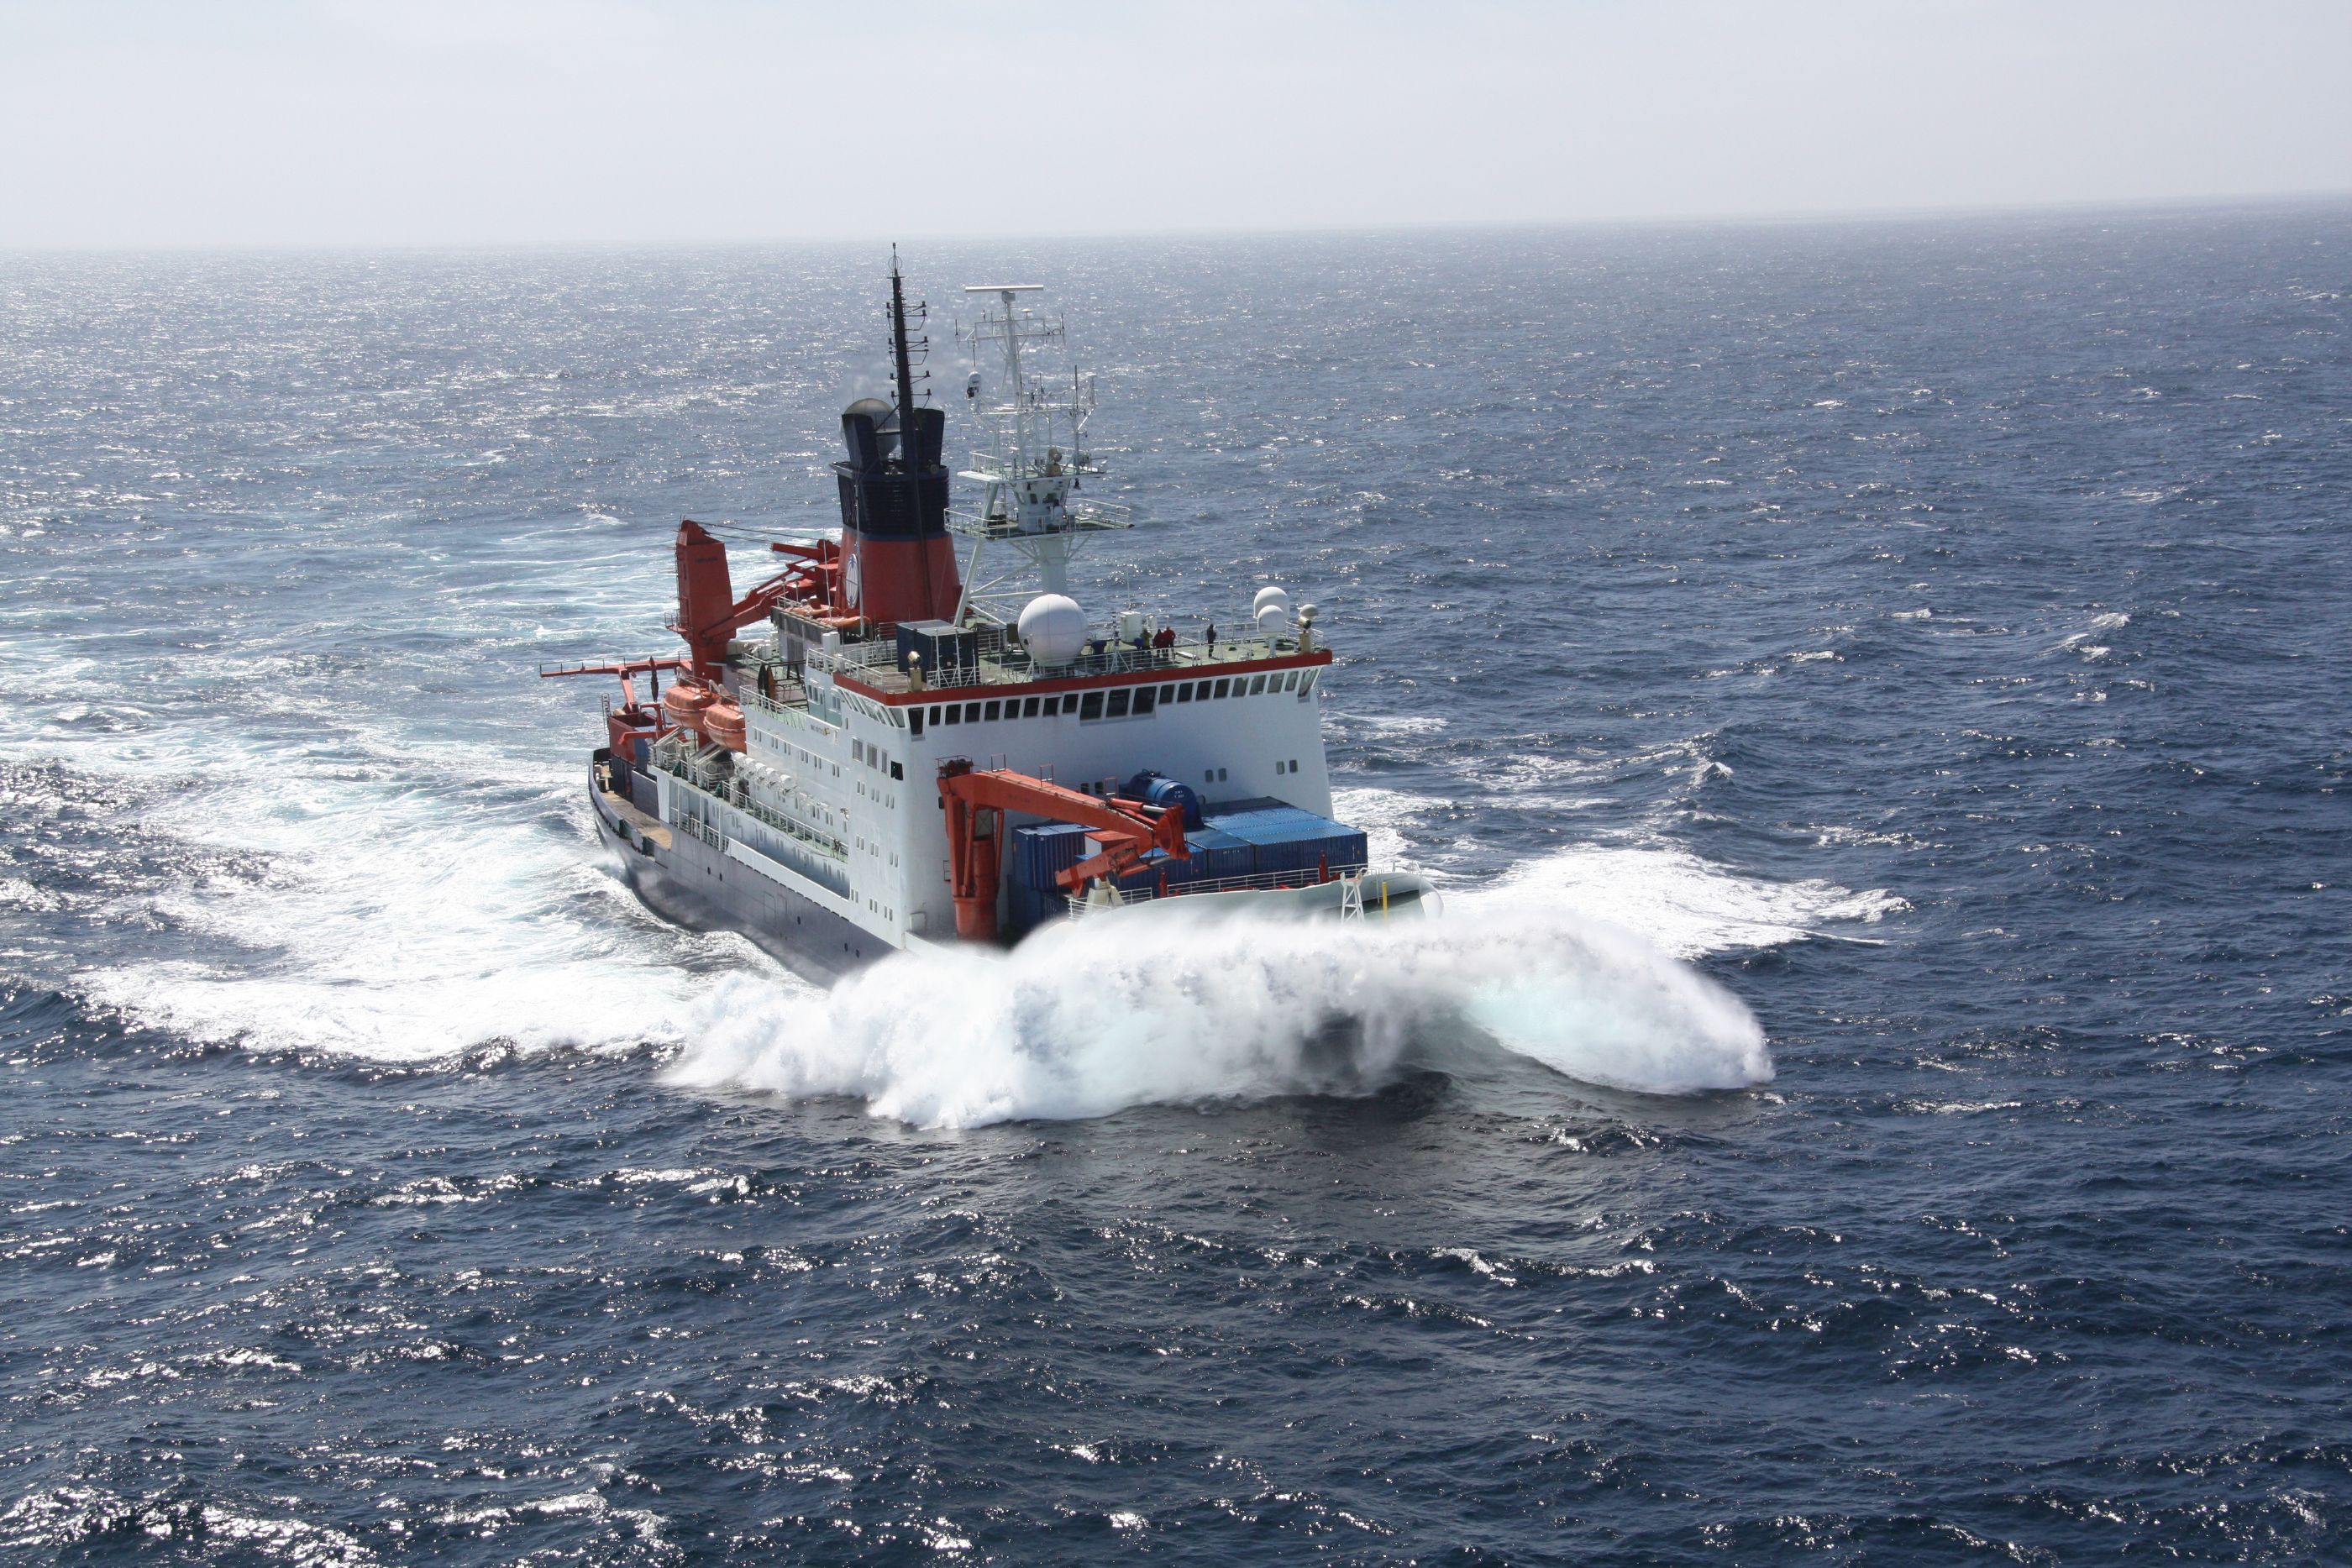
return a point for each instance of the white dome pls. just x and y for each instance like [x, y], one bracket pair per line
[1273, 618]
[1265, 596]
[1054, 627]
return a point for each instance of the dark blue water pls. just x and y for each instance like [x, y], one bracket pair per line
[1936, 635]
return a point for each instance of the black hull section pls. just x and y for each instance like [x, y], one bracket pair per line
[691, 884]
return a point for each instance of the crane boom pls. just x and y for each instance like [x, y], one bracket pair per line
[975, 802]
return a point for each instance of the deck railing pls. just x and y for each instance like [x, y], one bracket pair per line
[1256, 881]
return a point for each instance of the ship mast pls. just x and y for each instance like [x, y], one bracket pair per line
[1030, 460]
[898, 349]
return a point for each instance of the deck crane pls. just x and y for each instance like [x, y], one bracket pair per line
[975, 801]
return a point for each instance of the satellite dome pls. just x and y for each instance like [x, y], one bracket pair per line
[1054, 627]
[873, 408]
[1269, 595]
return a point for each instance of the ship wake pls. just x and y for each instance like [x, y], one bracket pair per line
[1093, 1018]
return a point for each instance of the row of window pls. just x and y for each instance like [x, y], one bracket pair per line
[873, 756]
[1122, 701]
[800, 754]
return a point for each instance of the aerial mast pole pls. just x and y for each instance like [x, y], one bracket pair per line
[906, 368]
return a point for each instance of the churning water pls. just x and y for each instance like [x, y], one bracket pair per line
[1873, 697]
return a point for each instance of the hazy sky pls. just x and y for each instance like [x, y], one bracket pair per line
[129, 122]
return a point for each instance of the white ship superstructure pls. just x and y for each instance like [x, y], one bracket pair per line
[910, 747]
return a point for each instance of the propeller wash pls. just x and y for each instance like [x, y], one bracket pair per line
[907, 751]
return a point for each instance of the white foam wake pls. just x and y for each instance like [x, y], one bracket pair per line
[1089, 1019]
[402, 924]
[1678, 900]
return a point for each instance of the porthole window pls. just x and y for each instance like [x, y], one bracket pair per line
[1221, 775]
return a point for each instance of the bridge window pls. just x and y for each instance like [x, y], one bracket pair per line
[915, 720]
[1257, 686]
[1220, 688]
[955, 713]
[1029, 708]
[898, 770]
[1090, 706]
[972, 713]
[993, 714]
[1184, 693]
[1118, 708]
[1144, 698]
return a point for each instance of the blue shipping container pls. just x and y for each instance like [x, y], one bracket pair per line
[1285, 840]
[1215, 855]
[1040, 849]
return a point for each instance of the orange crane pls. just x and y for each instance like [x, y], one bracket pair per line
[975, 802]
[631, 719]
[709, 614]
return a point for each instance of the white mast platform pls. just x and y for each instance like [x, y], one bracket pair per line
[1032, 463]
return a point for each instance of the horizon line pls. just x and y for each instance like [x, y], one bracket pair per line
[1828, 217]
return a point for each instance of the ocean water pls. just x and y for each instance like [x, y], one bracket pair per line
[1875, 697]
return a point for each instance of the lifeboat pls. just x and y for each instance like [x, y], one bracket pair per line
[722, 722]
[685, 703]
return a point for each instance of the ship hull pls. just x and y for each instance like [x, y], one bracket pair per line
[690, 884]
[687, 883]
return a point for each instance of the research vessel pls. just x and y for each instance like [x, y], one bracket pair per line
[911, 734]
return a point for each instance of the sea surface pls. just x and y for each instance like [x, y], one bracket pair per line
[1876, 698]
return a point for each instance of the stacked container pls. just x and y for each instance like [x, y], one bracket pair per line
[1285, 839]
[1247, 838]
[1038, 851]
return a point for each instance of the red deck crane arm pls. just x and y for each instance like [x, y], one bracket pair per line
[633, 719]
[975, 802]
[709, 614]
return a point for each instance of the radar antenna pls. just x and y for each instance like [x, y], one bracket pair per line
[1032, 463]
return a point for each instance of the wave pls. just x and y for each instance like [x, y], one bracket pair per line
[1095, 1017]
[356, 916]
[1688, 906]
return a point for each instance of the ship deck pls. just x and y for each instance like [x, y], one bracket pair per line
[875, 665]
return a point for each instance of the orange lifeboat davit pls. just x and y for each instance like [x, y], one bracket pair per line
[685, 704]
[722, 722]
